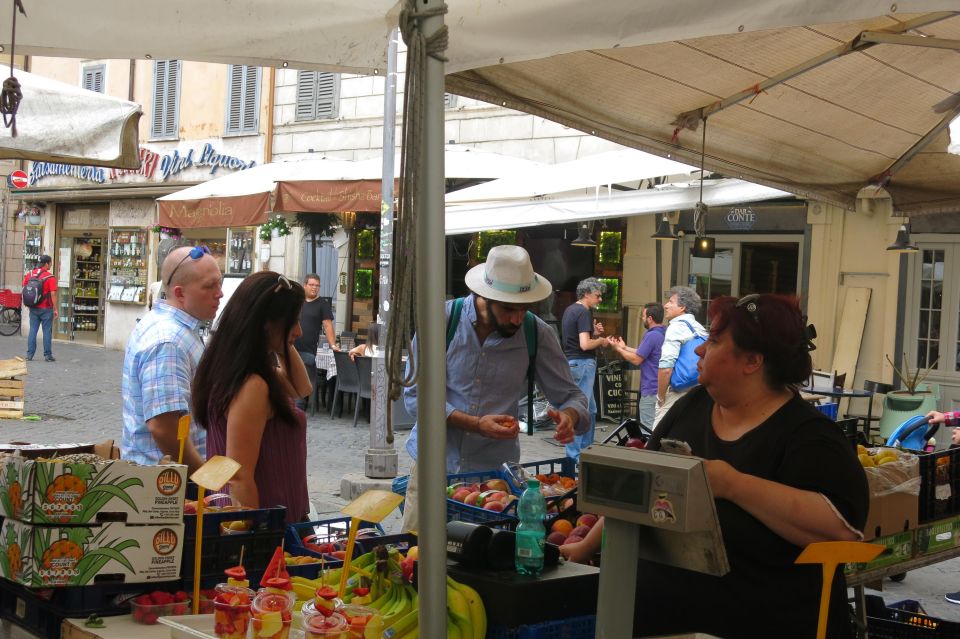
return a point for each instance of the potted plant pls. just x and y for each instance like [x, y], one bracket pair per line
[913, 399]
[274, 227]
[167, 232]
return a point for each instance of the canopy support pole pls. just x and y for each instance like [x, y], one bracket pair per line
[918, 146]
[431, 329]
[691, 119]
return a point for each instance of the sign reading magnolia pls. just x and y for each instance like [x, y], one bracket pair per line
[169, 165]
[243, 210]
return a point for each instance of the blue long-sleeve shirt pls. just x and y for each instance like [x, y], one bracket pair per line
[491, 379]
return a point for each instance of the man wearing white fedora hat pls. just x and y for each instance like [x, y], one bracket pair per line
[488, 358]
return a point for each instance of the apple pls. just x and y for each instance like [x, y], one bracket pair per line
[471, 499]
[556, 538]
[460, 494]
[587, 519]
[572, 539]
[635, 442]
[490, 495]
[189, 507]
[497, 484]
[496, 506]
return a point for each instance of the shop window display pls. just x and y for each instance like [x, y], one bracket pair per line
[85, 285]
[128, 266]
[32, 249]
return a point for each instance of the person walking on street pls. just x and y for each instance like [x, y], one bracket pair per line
[488, 359]
[647, 357]
[161, 358]
[582, 336]
[44, 311]
[315, 319]
[682, 326]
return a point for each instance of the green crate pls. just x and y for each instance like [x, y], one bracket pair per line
[938, 536]
[898, 547]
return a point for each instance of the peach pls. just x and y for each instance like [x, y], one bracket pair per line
[572, 539]
[587, 520]
[471, 499]
[490, 495]
[460, 494]
[580, 531]
[562, 526]
[497, 484]
[556, 538]
[496, 506]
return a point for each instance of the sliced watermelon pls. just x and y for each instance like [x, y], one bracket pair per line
[277, 566]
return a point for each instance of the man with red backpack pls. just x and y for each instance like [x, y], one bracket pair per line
[40, 296]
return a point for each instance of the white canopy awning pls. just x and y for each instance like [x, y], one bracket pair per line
[602, 169]
[58, 122]
[469, 218]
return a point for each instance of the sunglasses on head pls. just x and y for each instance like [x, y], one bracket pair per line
[282, 282]
[749, 303]
[195, 254]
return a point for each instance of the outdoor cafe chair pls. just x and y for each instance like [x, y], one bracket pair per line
[364, 373]
[348, 382]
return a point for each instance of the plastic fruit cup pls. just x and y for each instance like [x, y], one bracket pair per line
[148, 614]
[357, 618]
[320, 626]
[231, 611]
[272, 613]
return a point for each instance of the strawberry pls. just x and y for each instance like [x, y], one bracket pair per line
[180, 596]
[144, 600]
[179, 609]
[149, 618]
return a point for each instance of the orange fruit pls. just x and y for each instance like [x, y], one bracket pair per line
[561, 526]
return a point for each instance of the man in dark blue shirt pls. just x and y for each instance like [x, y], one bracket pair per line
[647, 357]
[581, 337]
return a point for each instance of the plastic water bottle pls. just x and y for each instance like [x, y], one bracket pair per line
[530, 533]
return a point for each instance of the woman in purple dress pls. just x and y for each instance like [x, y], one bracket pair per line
[244, 392]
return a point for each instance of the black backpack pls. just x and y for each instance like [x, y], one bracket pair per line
[32, 292]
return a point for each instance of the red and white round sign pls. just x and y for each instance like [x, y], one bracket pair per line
[19, 179]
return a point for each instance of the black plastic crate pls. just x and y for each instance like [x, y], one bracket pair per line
[29, 612]
[332, 530]
[628, 429]
[221, 551]
[939, 484]
[906, 620]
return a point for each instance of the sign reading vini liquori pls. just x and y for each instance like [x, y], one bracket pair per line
[153, 166]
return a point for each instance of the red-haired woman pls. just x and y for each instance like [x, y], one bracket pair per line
[782, 474]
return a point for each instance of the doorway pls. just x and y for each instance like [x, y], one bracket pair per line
[80, 271]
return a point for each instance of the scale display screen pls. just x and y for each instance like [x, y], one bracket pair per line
[617, 486]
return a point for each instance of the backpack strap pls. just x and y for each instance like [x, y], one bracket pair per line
[530, 335]
[454, 319]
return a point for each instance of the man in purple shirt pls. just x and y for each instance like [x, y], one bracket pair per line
[647, 357]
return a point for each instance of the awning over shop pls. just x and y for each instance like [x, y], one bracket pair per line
[65, 124]
[322, 185]
[469, 218]
[601, 169]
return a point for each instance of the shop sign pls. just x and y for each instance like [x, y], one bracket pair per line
[740, 218]
[329, 196]
[152, 166]
[611, 383]
[132, 213]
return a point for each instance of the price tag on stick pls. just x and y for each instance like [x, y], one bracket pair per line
[183, 431]
[211, 476]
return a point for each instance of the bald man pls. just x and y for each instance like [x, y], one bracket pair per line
[162, 355]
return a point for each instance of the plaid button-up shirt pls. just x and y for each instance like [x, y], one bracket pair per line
[161, 358]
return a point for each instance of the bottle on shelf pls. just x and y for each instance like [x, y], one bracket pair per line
[531, 533]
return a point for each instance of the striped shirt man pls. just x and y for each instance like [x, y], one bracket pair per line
[161, 358]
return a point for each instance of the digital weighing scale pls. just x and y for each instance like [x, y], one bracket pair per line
[658, 507]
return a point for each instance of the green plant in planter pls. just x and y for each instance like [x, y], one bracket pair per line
[610, 247]
[611, 297]
[911, 382]
[318, 224]
[365, 244]
[363, 283]
[278, 223]
[486, 240]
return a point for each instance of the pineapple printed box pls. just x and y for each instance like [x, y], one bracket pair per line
[44, 556]
[78, 490]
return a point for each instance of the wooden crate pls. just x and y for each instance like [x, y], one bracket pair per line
[12, 387]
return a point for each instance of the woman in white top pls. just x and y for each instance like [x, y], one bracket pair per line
[370, 348]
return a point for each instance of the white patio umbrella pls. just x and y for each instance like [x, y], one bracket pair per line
[57, 122]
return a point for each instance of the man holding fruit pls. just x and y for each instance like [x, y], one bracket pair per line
[487, 363]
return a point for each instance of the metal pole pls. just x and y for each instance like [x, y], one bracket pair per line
[381, 457]
[432, 383]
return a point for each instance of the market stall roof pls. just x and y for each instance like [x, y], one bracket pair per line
[321, 185]
[521, 212]
[58, 122]
[817, 110]
[601, 169]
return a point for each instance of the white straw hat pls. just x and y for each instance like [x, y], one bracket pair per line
[508, 276]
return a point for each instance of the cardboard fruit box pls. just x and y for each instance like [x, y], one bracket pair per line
[44, 556]
[894, 491]
[77, 492]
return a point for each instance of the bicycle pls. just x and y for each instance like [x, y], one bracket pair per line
[10, 316]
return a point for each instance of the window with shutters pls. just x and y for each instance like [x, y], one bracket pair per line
[318, 95]
[449, 101]
[166, 99]
[243, 98]
[93, 78]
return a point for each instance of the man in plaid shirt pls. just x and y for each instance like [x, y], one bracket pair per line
[161, 357]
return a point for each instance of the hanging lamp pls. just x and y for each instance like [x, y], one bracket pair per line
[664, 232]
[584, 235]
[902, 244]
[705, 247]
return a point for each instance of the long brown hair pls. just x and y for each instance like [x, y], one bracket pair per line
[239, 349]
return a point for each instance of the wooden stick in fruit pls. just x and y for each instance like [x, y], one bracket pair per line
[183, 431]
[211, 476]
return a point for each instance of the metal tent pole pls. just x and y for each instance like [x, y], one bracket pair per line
[432, 383]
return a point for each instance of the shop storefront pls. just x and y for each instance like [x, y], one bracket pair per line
[100, 227]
